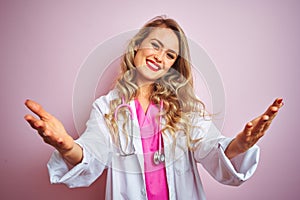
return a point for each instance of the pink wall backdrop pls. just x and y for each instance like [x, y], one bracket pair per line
[255, 46]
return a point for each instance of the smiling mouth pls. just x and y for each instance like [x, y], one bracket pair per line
[153, 66]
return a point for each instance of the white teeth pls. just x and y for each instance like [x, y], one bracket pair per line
[153, 65]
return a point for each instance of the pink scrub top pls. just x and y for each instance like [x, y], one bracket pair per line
[155, 175]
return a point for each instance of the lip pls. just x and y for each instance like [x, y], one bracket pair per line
[152, 65]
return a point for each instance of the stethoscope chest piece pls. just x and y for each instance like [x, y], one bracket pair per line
[158, 158]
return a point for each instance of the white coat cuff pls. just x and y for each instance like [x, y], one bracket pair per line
[243, 165]
[59, 171]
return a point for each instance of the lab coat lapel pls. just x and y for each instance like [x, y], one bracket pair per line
[167, 144]
[137, 142]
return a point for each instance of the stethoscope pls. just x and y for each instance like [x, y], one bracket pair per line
[158, 156]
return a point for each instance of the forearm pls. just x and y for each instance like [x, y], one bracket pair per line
[74, 155]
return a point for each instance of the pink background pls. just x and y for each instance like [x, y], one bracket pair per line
[255, 46]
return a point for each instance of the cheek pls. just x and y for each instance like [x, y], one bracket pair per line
[145, 52]
[137, 59]
[141, 55]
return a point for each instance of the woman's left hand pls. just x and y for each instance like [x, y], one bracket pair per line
[253, 131]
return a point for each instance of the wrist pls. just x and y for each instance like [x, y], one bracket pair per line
[67, 148]
[233, 149]
[73, 155]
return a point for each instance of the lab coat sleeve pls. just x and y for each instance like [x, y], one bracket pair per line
[81, 175]
[230, 172]
[96, 157]
[211, 155]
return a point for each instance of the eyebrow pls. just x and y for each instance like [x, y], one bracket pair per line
[161, 44]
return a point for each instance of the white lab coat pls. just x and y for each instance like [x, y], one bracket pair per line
[125, 177]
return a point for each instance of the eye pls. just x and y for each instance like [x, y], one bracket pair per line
[171, 56]
[155, 45]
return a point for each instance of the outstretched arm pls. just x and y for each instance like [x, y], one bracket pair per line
[253, 131]
[53, 133]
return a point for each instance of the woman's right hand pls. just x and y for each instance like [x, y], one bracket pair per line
[49, 128]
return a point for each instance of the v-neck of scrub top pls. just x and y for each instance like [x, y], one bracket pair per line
[155, 175]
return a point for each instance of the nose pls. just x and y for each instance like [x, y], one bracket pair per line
[159, 56]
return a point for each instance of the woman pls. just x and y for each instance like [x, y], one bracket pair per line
[151, 130]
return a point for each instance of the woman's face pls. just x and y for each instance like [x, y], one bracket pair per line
[156, 55]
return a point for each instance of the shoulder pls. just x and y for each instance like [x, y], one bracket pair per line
[102, 103]
[111, 95]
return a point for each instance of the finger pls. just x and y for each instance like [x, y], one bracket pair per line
[271, 112]
[268, 123]
[40, 126]
[259, 127]
[37, 124]
[248, 129]
[37, 109]
[30, 119]
[274, 108]
[278, 102]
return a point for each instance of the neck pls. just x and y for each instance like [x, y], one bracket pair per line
[144, 91]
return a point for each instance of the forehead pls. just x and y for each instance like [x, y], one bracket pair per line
[166, 36]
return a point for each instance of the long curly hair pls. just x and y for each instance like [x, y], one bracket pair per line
[175, 89]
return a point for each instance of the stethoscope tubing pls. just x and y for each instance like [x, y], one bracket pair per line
[158, 156]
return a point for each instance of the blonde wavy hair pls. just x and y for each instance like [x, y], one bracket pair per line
[175, 89]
